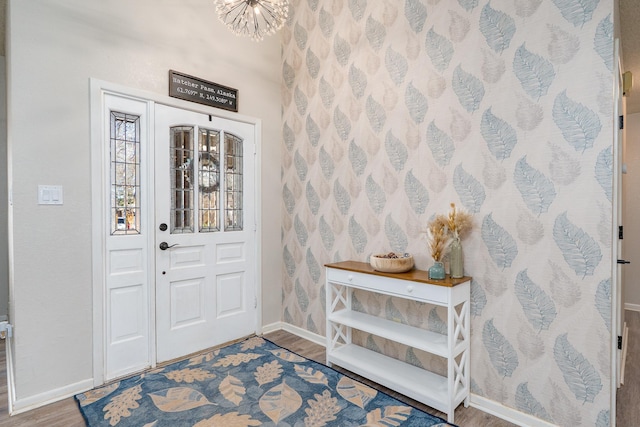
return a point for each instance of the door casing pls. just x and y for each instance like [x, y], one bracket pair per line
[98, 89]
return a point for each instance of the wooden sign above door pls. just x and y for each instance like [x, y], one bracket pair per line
[193, 89]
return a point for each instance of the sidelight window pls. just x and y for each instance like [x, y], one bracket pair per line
[125, 173]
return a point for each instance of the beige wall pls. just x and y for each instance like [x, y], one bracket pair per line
[54, 47]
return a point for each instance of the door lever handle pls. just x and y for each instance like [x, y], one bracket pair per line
[164, 246]
[623, 261]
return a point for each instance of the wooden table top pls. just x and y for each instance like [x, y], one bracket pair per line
[413, 275]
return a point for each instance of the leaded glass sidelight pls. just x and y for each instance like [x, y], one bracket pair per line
[233, 181]
[182, 179]
[125, 173]
[209, 180]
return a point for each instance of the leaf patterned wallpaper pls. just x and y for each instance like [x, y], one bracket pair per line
[394, 109]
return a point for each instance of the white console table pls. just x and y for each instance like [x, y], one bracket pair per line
[443, 393]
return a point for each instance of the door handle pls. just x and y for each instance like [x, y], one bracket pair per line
[164, 246]
[623, 261]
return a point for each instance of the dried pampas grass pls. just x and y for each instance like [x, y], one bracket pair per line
[443, 229]
[437, 237]
[459, 223]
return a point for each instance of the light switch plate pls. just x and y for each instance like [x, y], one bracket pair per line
[49, 194]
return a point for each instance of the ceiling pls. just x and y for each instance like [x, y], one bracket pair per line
[630, 41]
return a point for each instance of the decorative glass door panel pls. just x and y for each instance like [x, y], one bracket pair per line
[233, 180]
[182, 154]
[125, 173]
[209, 180]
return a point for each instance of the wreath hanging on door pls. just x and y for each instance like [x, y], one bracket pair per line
[208, 173]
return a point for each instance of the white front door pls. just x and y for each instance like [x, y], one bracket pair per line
[205, 231]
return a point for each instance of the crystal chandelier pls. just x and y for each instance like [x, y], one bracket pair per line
[253, 18]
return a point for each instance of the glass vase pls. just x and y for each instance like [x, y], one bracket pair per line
[456, 259]
[436, 271]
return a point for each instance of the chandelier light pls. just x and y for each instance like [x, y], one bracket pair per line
[253, 18]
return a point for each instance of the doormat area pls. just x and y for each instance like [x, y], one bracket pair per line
[250, 383]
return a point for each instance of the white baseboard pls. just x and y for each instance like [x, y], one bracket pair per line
[302, 333]
[625, 343]
[272, 327]
[4, 318]
[631, 307]
[11, 383]
[19, 406]
[506, 413]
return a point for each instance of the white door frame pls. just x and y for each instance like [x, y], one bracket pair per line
[617, 308]
[97, 90]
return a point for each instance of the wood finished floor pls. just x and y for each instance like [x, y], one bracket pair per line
[66, 414]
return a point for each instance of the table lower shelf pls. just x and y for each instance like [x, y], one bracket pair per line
[416, 383]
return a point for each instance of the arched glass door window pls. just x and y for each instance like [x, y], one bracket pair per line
[205, 185]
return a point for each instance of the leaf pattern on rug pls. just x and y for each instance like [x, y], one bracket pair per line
[355, 392]
[287, 356]
[94, 395]
[231, 419]
[232, 389]
[245, 390]
[268, 372]
[120, 405]
[280, 402]
[393, 415]
[321, 410]
[311, 376]
[201, 358]
[178, 399]
[189, 375]
[252, 343]
[236, 359]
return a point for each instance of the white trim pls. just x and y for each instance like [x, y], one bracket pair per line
[257, 237]
[506, 413]
[631, 307]
[96, 100]
[625, 347]
[151, 200]
[11, 381]
[302, 333]
[4, 318]
[51, 396]
[616, 272]
[143, 95]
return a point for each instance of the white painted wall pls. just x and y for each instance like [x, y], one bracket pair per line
[631, 212]
[54, 47]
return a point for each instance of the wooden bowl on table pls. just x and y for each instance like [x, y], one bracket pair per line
[391, 262]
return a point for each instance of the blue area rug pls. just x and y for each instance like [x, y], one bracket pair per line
[250, 383]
